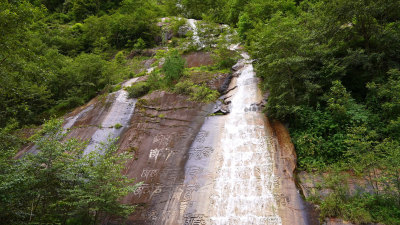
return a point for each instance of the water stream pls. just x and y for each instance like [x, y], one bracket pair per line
[243, 189]
[193, 24]
[229, 174]
[119, 113]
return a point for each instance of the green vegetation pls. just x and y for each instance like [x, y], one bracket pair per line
[115, 88]
[175, 77]
[173, 67]
[198, 93]
[60, 184]
[332, 76]
[56, 59]
[138, 90]
[118, 126]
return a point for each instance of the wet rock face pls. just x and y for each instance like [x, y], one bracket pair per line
[196, 59]
[160, 133]
[288, 196]
[84, 121]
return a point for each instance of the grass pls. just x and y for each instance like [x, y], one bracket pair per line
[118, 126]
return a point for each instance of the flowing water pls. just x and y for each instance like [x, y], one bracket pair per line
[243, 190]
[229, 174]
[193, 24]
[119, 113]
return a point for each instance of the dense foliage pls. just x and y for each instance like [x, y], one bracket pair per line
[56, 59]
[60, 184]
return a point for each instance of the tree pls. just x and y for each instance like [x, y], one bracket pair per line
[338, 100]
[81, 9]
[244, 25]
[282, 65]
[60, 184]
[388, 94]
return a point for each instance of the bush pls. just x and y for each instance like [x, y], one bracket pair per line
[173, 67]
[138, 90]
[184, 87]
[176, 25]
[120, 58]
[140, 44]
[196, 92]
[155, 81]
[66, 104]
[203, 94]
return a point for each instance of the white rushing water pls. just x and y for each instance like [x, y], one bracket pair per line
[244, 185]
[196, 38]
[229, 175]
[230, 170]
[120, 113]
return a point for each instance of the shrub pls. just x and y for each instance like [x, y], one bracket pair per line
[176, 25]
[66, 104]
[196, 92]
[203, 94]
[184, 87]
[138, 90]
[244, 25]
[120, 58]
[140, 44]
[173, 67]
[155, 81]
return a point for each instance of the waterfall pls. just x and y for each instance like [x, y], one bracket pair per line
[196, 38]
[229, 174]
[245, 181]
[120, 112]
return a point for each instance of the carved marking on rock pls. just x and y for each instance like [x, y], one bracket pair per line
[194, 219]
[154, 153]
[201, 136]
[170, 176]
[272, 220]
[149, 173]
[194, 172]
[200, 152]
[277, 182]
[148, 189]
[162, 140]
[187, 195]
[282, 200]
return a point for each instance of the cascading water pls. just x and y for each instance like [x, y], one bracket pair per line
[243, 190]
[229, 173]
[196, 38]
[120, 113]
